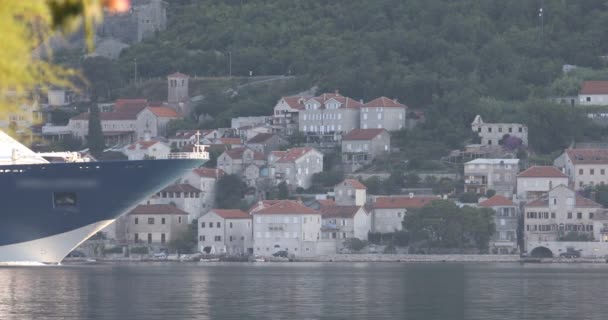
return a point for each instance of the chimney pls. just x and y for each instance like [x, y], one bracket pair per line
[411, 195]
[260, 205]
[337, 91]
[395, 100]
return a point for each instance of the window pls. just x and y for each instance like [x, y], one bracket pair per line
[552, 215]
[490, 142]
[591, 171]
[179, 220]
[136, 220]
[521, 129]
[588, 99]
[136, 238]
[218, 224]
[149, 238]
[64, 199]
[230, 238]
[499, 129]
[590, 215]
[202, 225]
[489, 129]
[150, 220]
[580, 171]
[218, 238]
[569, 215]
[602, 171]
[510, 130]
[162, 238]
[230, 225]
[162, 220]
[242, 238]
[579, 215]
[201, 238]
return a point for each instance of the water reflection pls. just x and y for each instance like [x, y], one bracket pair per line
[304, 291]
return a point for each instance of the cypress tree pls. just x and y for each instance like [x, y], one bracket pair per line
[95, 137]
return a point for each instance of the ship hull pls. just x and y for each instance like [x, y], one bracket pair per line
[49, 209]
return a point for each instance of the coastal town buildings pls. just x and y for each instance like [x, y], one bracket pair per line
[343, 222]
[182, 195]
[205, 180]
[593, 93]
[286, 225]
[561, 213]
[328, 116]
[506, 217]
[183, 138]
[234, 161]
[266, 142]
[492, 134]
[383, 113]
[240, 122]
[388, 212]
[361, 146]
[295, 166]
[154, 224]
[225, 231]
[350, 192]
[536, 181]
[481, 175]
[285, 116]
[584, 167]
[147, 149]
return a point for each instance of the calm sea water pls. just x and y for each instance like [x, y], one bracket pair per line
[305, 291]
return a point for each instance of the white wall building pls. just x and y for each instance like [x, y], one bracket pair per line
[383, 113]
[584, 167]
[225, 231]
[295, 166]
[593, 93]
[492, 133]
[481, 175]
[536, 181]
[286, 225]
[388, 212]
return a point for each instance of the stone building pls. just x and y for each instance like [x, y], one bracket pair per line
[285, 116]
[560, 213]
[536, 181]
[350, 192]
[584, 167]
[343, 222]
[266, 142]
[154, 224]
[328, 116]
[506, 218]
[481, 175]
[383, 113]
[286, 225]
[182, 195]
[225, 231]
[361, 146]
[204, 179]
[492, 134]
[295, 166]
[234, 161]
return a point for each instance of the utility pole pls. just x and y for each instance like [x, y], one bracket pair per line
[230, 64]
[542, 21]
[135, 61]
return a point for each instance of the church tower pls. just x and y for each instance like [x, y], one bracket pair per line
[178, 88]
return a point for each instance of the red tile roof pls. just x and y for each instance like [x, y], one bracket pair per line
[157, 209]
[326, 202]
[579, 202]
[542, 172]
[164, 112]
[130, 103]
[354, 183]
[402, 202]
[497, 201]
[594, 87]
[178, 75]
[181, 187]
[345, 102]
[261, 138]
[231, 140]
[287, 207]
[339, 211]
[108, 116]
[209, 172]
[362, 134]
[263, 204]
[537, 203]
[231, 214]
[588, 156]
[384, 102]
[295, 102]
[292, 154]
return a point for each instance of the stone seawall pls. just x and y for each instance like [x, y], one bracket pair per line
[411, 258]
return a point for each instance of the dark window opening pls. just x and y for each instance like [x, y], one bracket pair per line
[64, 199]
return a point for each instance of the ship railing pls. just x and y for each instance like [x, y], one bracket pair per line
[198, 152]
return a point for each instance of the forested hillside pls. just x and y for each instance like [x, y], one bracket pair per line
[438, 56]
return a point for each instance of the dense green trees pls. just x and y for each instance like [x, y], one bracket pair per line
[95, 140]
[230, 191]
[442, 224]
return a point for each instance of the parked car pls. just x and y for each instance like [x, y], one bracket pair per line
[282, 254]
[570, 254]
[160, 255]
